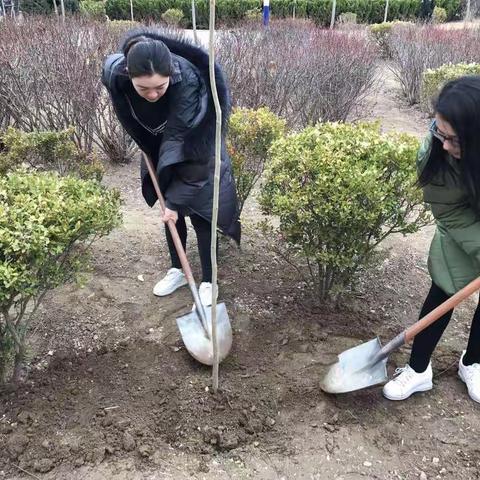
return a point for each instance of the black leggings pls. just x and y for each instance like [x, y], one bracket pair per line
[204, 237]
[425, 342]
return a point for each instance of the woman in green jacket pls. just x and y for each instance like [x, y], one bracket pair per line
[449, 173]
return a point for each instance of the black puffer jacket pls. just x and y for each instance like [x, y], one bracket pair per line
[183, 150]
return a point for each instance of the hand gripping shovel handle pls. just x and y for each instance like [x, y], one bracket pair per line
[410, 333]
[178, 246]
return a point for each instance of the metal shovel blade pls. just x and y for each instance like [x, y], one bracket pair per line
[198, 342]
[356, 369]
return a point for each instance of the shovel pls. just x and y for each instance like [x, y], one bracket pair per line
[196, 327]
[366, 365]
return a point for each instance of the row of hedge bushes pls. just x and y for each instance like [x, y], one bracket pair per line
[231, 11]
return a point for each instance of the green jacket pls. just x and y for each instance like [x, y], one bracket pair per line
[454, 258]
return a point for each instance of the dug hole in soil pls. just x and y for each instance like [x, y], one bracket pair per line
[112, 393]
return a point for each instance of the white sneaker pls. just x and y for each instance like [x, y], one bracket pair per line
[205, 293]
[408, 381]
[471, 376]
[173, 280]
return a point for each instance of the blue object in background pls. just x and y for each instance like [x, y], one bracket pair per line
[266, 12]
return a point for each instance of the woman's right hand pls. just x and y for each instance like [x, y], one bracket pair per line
[170, 215]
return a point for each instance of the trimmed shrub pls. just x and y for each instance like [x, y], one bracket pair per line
[380, 32]
[439, 15]
[250, 135]
[435, 79]
[347, 17]
[47, 225]
[172, 17]
[339, 190]
[47, 151]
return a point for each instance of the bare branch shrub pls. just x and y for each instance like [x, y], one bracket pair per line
[415, 49]
[50, 80]
[298, 71]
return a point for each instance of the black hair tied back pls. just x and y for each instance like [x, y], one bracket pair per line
[147, 56]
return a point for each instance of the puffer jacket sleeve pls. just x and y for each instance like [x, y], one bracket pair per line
[184, 107]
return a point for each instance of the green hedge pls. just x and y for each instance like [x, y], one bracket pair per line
[228, 11]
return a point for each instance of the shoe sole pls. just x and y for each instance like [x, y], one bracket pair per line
[463, 380]
[424, 387]
[169, 292]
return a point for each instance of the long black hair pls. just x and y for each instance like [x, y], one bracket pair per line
[459, 105]
[147, 56]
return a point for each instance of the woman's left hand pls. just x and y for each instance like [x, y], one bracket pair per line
[170, 215]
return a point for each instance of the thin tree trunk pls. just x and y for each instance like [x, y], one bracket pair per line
[131, 11]
[468, 12]
[216, 185]
[334, 9]
[19, 361]
[386, 11]
[55, 8]
[62, 5]
[194, 23]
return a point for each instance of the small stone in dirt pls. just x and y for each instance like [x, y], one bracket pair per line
[367, 464]
[144, 450]
[25, 417]
[314, 425]
[256, 444]
[16, 444]
[46, 444]
[269, 422]
[140, 278]
[107, 421]
[128, 442]
[328, 427]
[253, 408]
[123, 423]
[435, 460]
[284, 341]
[79, 462]
[423, 476]
[43, 466]
[228, 441]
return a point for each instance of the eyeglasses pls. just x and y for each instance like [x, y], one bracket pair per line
[444, 138]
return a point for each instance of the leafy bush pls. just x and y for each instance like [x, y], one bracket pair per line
[47, 151]
[93, 9]
[50, 80]
[416, 49]
[47, 225]
[338, 190]
[250, 135]
[435, 79]
[172, 17]
[254, 14]
[303, 74]
[439, 15]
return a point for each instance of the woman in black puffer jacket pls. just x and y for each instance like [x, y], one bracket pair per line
[161, 93]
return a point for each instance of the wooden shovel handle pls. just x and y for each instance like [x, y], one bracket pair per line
[445, 307]
[171, 224]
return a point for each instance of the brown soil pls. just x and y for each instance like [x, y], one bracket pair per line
[112, 394]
